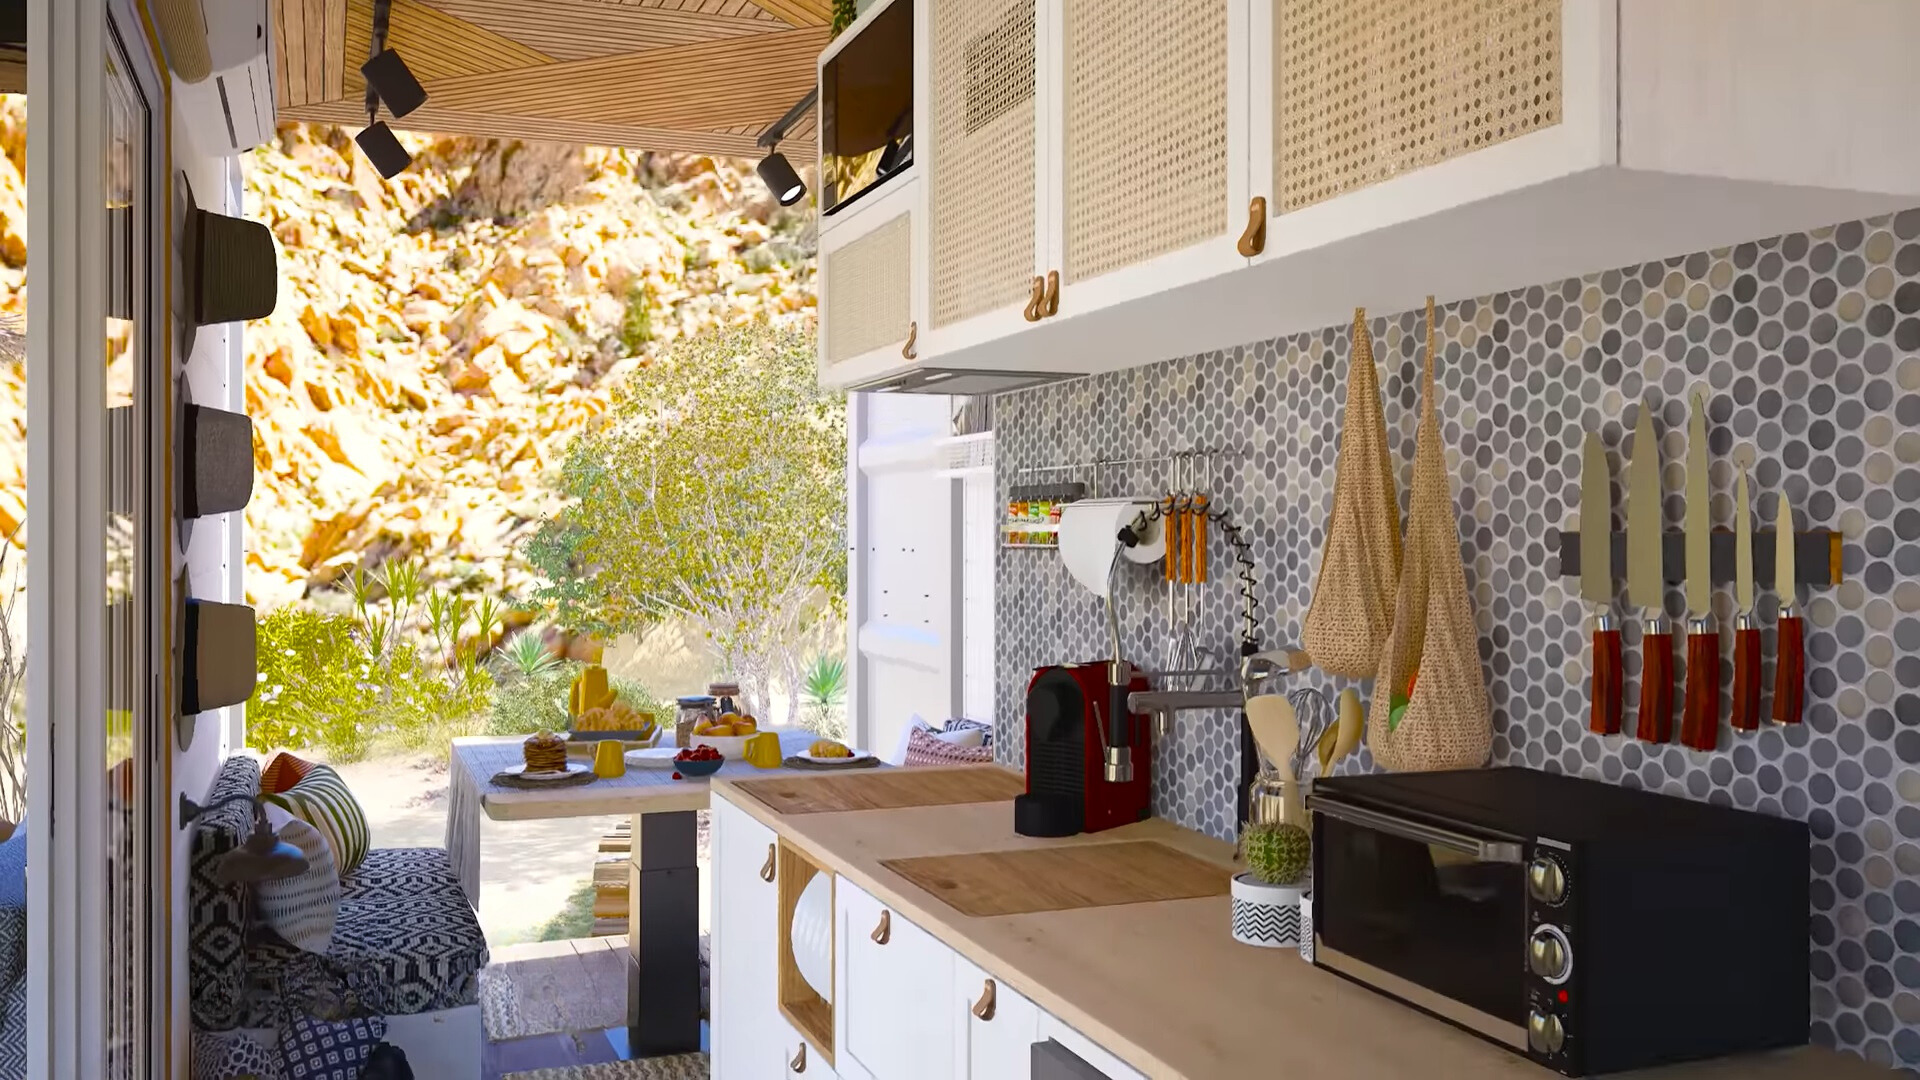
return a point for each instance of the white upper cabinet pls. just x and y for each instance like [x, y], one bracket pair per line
[1196, 174]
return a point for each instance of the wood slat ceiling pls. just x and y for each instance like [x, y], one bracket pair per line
[700, 76]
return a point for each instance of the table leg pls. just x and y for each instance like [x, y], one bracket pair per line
[663, 934]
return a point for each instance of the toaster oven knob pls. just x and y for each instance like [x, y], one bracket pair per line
[1546, 880]
[1545, 1033]
[1548, 955]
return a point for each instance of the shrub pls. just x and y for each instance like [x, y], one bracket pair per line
[313, 689]
[524, 704]
[636, 326]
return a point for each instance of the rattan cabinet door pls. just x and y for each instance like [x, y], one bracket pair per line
[983, 161]
[1149, 130]
[869, 315]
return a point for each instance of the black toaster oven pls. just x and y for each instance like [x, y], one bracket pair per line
[1590, 927]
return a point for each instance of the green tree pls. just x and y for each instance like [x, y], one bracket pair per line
[712, 490]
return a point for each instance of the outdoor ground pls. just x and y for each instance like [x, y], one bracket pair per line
[529, 870]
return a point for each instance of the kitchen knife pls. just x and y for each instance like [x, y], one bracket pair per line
[1646, 582]
[1596, 585]
[1700, 718]
[1790, 658]
[1746, 635]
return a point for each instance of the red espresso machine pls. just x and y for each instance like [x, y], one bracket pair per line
[1067, 737]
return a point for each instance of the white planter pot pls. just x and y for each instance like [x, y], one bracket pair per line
[1266, 915]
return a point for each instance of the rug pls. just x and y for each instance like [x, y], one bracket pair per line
[677, 1067]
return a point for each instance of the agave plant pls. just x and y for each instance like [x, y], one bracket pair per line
[527, 656]
[825, 685]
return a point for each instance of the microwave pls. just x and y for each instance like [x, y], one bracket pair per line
[1586, 926]
[866, 106]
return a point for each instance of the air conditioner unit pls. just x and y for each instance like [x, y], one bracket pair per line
[233, 108]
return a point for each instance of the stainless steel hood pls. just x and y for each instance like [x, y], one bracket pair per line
[968, 382]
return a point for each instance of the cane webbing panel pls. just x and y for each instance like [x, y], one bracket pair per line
[983, 188]
[870, 291]
[1365, 90]
[1146, 130]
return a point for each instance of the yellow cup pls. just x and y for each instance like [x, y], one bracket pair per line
[609, 758]
[763, 750]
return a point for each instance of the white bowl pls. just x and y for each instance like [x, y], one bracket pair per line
[812, 935]
[733, 747]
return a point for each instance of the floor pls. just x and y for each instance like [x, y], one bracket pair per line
[579, 985]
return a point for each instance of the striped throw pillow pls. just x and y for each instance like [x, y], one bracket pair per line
[301, 909]
[321, 799]
[282, 772]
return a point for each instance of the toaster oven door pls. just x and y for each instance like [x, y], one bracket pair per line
[1432, 916]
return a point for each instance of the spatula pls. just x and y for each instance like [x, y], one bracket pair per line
[1276, 730]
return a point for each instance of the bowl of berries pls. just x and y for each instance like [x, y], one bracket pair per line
[697, 761]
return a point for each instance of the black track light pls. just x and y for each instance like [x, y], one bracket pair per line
[387, 76]
[382, 148]
[777, 172]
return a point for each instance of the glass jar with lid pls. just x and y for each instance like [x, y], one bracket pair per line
[690, 711]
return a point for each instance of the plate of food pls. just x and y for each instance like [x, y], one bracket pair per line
[831, 752]
[696, 761]
[571, 768]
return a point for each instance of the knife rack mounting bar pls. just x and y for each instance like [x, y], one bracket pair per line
[1817, 554]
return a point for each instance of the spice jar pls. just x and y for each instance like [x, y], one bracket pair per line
[692, 710]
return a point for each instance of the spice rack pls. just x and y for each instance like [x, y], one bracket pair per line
[1033, 514]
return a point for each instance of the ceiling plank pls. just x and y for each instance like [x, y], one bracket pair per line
[316, 45]
[434, 45]
[704, 86]
[290, 52]
[335, 81]
[799, 12]
[580, 29]
[439, 120]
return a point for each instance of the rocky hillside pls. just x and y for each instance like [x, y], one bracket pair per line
[441, 335]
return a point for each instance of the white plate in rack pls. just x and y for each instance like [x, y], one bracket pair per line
[574, 768]
[653, 757]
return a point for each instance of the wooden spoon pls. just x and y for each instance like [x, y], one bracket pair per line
[1276, 730]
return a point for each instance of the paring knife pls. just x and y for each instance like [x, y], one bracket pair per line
[1746, 634]
[1646, 582]
[1790, 658]
[1596, 585]
[1700, 718]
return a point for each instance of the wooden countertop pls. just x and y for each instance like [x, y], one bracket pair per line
[1162, 985]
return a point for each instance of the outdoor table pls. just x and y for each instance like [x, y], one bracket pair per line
[663, 898]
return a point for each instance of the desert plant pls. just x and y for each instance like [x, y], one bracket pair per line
[1278, 854]
[536, 701]
[313, 685]
[524, 656]
[824, 690]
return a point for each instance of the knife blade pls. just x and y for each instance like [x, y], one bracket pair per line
[1596, 585]
[1746, 635]
[1700, 719]
[1790, 659]
[1646, 584]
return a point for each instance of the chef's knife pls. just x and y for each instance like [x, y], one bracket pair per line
[1700, 719]
[1646, 582]
[1746, 635]
[1790, 658]
[1596, 585]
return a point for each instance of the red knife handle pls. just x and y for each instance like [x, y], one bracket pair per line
[1789, 672]
[1700, 719]
[1746, 676]
[1609, 679]
[1656, 687]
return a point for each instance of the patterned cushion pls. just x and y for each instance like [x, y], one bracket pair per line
[13, 906]
[217, 919]
[961, 723]
[302, 908]
[13, 1032]
[329, 1049]
[405, 941]
[321, 799]
[927, 748]
[282, 771]
[233, 1056]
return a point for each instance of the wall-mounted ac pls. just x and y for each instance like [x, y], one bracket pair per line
[221, 54]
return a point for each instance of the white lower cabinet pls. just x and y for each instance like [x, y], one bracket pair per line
[995, 1027]
[799, 1058]
[748, 1034]
[894, 980]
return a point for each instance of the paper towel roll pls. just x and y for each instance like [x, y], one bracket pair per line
[1087, 532]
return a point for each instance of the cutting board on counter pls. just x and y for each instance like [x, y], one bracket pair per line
[988, 883]
[885, 789]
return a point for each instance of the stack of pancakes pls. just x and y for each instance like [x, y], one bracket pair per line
[545, 753]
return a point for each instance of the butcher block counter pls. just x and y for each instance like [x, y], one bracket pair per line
[1160, 985]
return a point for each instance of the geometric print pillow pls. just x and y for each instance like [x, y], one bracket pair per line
[330, 1049]
[926, 748]
[301, 909]
[321, 799]
[282, 772]
[232, 1056]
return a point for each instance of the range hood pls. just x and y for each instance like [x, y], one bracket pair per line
[963, 382]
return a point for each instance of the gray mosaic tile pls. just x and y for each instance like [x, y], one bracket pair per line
[1808, 344]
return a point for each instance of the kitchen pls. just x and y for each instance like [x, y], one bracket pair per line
[1718, 208]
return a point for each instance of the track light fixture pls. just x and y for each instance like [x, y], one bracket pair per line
[775, 170]
[389, 82]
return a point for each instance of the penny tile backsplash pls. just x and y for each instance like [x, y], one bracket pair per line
[1810, 347]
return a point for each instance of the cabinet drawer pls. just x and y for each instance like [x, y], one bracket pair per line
[893, 978]
[801, 1060]
[996, 1027]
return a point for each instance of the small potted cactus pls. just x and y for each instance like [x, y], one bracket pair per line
[1267, 896]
